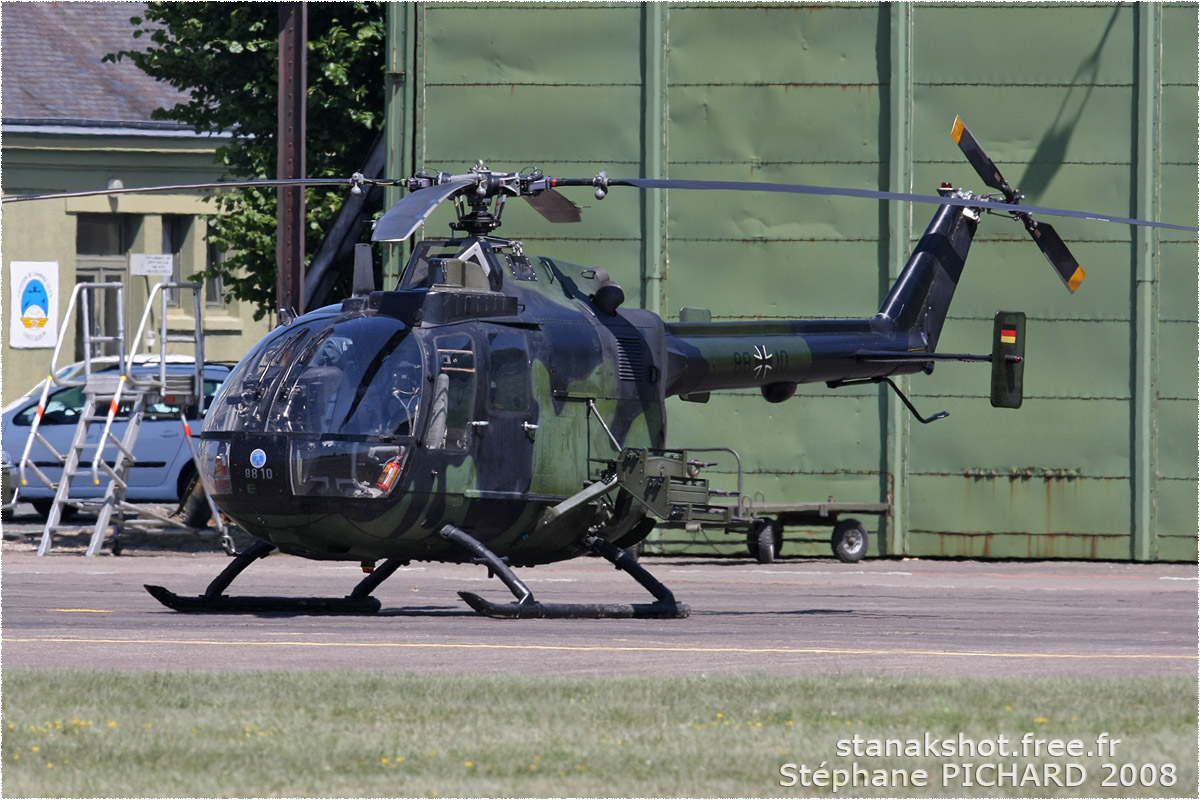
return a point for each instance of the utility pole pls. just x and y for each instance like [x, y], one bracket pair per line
[293, 90]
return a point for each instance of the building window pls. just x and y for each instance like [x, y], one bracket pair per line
[102, 235]
[214, 289]
[174, 234]
[102, 244]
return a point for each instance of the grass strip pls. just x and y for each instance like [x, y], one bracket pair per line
[94, 733]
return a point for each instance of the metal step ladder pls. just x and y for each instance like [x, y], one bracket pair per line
[123, 394]
[94, 343]
[101, 390]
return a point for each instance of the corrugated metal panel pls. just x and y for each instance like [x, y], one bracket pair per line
[785, 94]
[806, 94]
[1177, 522]
[1078, 416]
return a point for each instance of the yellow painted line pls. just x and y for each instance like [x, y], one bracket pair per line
[608, 648]
[81, 610]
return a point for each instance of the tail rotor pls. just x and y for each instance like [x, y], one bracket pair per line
[1043, 234]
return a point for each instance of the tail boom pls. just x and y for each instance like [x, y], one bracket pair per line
[711, 356]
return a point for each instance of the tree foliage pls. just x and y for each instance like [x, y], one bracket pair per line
[225, 57]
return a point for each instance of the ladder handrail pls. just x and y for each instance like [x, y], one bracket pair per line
[164, 337]
[113, 405]
[80, 289]
[142, 386]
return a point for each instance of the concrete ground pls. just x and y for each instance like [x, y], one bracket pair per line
[795, 616]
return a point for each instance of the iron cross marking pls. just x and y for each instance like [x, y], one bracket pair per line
[762, 361]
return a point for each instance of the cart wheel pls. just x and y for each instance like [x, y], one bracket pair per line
[849, 541]
[765, 540]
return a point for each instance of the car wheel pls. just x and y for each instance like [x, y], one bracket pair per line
[42, 507]
[193, 510]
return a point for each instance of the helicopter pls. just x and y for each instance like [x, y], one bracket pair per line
[507, 409]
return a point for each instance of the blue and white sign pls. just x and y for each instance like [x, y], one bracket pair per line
[258, 458]
[33, 318]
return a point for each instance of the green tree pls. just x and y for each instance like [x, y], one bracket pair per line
[225, 57]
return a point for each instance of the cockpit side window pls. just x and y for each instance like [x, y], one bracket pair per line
[387, 399]
[453, 407]
[508, 378]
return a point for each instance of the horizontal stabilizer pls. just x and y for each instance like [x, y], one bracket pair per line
[892, 357]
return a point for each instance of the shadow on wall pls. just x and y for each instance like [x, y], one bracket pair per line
[1051, 152]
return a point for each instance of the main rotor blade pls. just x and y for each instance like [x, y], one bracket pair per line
[555, 206]
[979, 160]
[179, 187]
[1056, 252]
[402, 220]
[998, 206]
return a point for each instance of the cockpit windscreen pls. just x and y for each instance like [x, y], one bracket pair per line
[357, 377]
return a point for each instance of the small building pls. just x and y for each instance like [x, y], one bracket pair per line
[72, 122]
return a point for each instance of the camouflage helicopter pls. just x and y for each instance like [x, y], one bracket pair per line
[507, 409]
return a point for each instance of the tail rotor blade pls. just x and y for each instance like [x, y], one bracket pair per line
[981, 162]
[1056, 252]
[1044, 236]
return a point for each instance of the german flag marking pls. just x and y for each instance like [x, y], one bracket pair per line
[1008, 336]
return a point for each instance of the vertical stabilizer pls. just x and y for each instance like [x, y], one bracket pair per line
[920, 299]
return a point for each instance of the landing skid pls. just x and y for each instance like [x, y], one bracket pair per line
[213, 601]
[526, 607]
[360, 601]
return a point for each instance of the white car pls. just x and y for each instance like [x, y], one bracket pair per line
[7, 487]
[163, 468]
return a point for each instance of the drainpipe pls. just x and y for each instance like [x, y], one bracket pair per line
[654, 155]
[899, 237]
[1144, 469]
[400, 123]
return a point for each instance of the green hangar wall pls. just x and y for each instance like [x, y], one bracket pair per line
[1090, 107]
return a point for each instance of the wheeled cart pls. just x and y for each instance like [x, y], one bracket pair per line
[763, 524]
[848, 540]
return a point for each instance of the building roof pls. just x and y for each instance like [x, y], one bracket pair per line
[53, 74]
